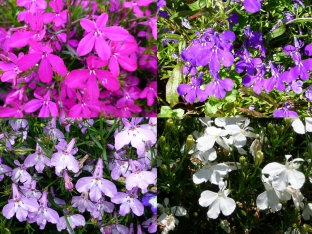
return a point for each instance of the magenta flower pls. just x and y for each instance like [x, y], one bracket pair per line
[134, 134]
[120, 56]
[64, 159]
[150, 93]
[10, 69]
[135, 6]
[89, 78]
[37, 159]
[96, 184]
[128, 201]
[59, 17]
[97, 32]
[33, 6]
[86, 108]
[48, 61]
[48, 108]
[19, 205]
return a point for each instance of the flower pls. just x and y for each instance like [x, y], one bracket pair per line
[212, 135]
[285, 174]
[285, 112]
[74, 220]
[217, 201]
[37, 159]
[252, 6]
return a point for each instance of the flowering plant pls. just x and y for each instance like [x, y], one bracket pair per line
[78, 175]
[223, 58]
[235, 175]
[78, 58]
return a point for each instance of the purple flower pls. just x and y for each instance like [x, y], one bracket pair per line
[150, 199]
[134, 134]
[37, 159]
[252, 6]
[128, 201]
[19, 205]
[100, 207]
[285, 112]
[219, 87]
[29, 190]
[193, 90]
[247, 63]
[64, 159]
[295, 86]
[151, 224]
[119, 167]
[96, 184]
[308, 93]
[52, 131]
[276, 79]
[255, 81]
[288, 16]
[186, 23]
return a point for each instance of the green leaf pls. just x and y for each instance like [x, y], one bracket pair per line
[166, 112]
[175, 79]
[276, 33]
[232, 96]
[299, 20]
[261, 96]
[197, 5]
[96, 141]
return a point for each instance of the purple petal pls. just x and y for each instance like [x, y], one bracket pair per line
[184, 89]
[252, 6]
[191, 96]
[308, 50]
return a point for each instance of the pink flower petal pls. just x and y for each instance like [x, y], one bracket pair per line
[87, 25]
[86, 44]
[77, 78]
[102, 48]
[107, 80]
[93, 88]
[45, 71]
[53, 109]
[102, 20]
[19, 39]
[28, 61]
[127, 63]
[58, 64]
[114, 66]
[44, 112]
[33, 105]
[115, 33]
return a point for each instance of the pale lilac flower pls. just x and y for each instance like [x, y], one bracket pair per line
[135, 134]
[151, 224]
[83, 203]
[96, 184]
[217, 201]
[53, 132]
[46, 214]
[101, 207]
[20, 174]
[128, 201]
[29, 190]
[73, 220]
[285, 174]
[19, 205]
[4, 170]
[68, 181]
[37, 159]
[64, 159]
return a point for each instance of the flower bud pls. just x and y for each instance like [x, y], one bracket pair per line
[306, 228]
[161, 140]
[21, 151]
[259, 158]
[270, 126]
[243, 161]
[189, 143]
[282, 128]
[164, 168]
[169, 123]
[275, 133]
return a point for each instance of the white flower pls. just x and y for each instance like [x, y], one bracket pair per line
[284, 174]
[296, 196]
[307, 211]
[240, 133]
[269, 198]
[222, 122]
[212, 172]
[212, 135]
[300, 128]
[167, 218]
[217, 201]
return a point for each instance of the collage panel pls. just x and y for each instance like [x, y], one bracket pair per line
[230, 58]
[78, 58]
[65, 175]
[234, 175]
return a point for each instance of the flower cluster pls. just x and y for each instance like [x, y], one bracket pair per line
[112, 181]
[79, 59]
[233, 55]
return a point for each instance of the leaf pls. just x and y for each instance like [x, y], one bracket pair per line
[197, 5]
[251, 112]
[261, 96]
[96, 141]
[172, 36]
[276, 33]
[299, 20]
[175, 79]
[166, 112]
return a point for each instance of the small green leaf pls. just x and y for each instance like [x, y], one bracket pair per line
[276, 33]
[175, 79]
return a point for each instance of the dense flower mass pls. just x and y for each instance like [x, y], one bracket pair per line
[93, 182]
[78, 59]
[219, 57]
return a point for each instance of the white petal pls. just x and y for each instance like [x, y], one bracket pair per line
[273, 169]
[205, 142]
[280, 181]
[227, 205]
[178, 211]
[298, 126]
[214, 209]
[273, 201]
[262, 201]
[201, 176]
[296, 179]
[207, 197]
[308, 122]
[166, 201]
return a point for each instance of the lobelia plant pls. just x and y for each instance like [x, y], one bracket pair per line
[78, 59]
[238, 181]
[242, 57]
[95, 186]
